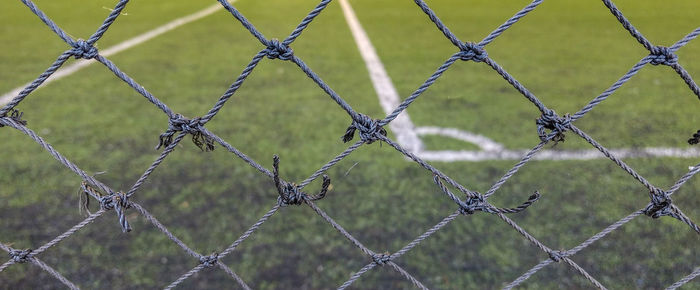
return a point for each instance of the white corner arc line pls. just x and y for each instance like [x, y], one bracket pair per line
[484, 142]
[407, 135]
[124, 45]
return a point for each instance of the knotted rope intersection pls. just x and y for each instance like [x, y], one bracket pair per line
[549, 120]
[290, 193]
[276, 49]
[193, 127]
[209, 261]
[369, 130]
[117, 201]
[15, 116]
[662, 205]
[83, 49]
[663, 55]
[477, 202]
[472, 51]
[695, 139]
[549, 125]
[20, 256]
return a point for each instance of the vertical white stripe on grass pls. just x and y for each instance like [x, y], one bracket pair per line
[402, 126]
[129, 43]
[407, 134]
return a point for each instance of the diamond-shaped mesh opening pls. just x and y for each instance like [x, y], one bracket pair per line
[662, 24]
[38, 196]
[298, 249]
[184, 68]
[78, 131]
[100, 256]
[646, 263]
[391, 217]
[457, 255]
[334, 59]
[191, 189]
[280, 127]
[79, 21]
[657, 92]
[539, 58]
[578, 201]
[472, 97]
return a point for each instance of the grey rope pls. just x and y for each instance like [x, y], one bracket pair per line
[290, 193]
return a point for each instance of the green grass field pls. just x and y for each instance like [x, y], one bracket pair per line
[565, 52]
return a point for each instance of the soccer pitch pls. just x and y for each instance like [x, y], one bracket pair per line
[565, 52]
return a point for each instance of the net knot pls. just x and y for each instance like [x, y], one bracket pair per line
[472, 51]
[556, 256]
[661, 205]
[549, 120]
[695, 139]
[382, 258]
[83, 49]
[15, 116]
[20, 256]
[477, 202]
[663, 55]
[290, 193]
[209, 261]
[119, 202]
[194, 127]
[180, 123]
[369, 129]
[473, 204]
[276, 49]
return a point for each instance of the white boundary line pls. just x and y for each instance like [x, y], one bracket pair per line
[407, 134]
[129, 43]
[388, 96]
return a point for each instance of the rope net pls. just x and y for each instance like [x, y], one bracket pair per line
[550, 127]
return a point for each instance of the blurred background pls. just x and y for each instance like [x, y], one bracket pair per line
[565, 52]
